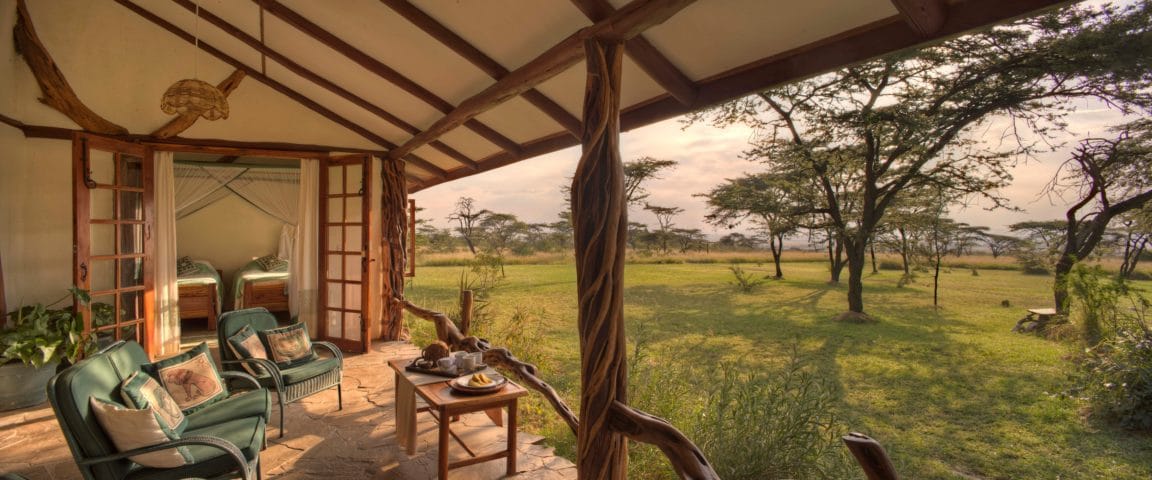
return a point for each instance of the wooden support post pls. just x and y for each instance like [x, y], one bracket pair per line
[600, 219]
[58, 93]
[393, 235]
[467, 300]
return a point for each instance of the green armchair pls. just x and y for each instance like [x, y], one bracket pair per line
[313, 375]
[223, 440]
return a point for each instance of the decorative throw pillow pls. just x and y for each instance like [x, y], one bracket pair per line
[246, 344]
[130, 428]
[288, 346]
[185, 266]
[271, 263]
[142, 391]
[190, 378]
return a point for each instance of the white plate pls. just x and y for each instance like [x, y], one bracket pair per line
[461, 383]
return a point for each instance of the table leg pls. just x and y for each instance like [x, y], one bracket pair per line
[512, 437]
[442, 452]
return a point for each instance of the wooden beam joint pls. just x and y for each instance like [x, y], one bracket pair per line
[926, 17]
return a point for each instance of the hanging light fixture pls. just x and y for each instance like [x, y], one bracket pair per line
[193, 95]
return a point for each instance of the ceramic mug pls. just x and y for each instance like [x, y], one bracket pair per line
[447, 364]
[467, 363]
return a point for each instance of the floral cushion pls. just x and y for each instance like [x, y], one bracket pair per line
[271, 263]
[246, 344]
[143, 391]
[130, 428]
[190, 378]
[185, 266]
[288, 346]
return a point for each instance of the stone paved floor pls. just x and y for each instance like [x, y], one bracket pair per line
[320, 441]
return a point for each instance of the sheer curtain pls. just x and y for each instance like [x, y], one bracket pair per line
[304, 262]
[275, 191]
[167, 295]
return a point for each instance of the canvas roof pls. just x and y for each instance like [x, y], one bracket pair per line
[374, 74]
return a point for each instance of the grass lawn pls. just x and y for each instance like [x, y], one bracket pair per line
[949, 391]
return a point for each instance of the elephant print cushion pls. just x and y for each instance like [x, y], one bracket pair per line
[288, 346]
[190, 378]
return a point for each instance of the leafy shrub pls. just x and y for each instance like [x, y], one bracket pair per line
[757, 425]
[746, 282]
[1117, 379]
[1114, 375]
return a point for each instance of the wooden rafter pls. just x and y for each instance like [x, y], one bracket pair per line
[283, 89]
[924, 16]
[185, 120]
[321, 81]
[623, 25]
[381, 70]
[58, 94]
[853, 46]
[646, 56]
[481, 60]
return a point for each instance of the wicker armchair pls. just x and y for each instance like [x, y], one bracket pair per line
[291, 384]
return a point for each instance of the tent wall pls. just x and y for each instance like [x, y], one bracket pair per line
[35, 218]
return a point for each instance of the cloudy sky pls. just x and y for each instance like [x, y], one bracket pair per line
[706, 156]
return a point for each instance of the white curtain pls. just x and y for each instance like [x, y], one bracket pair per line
[164, 230]
[275, 191]
[304, 262]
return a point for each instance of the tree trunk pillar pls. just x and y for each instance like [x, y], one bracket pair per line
[600, 222]
[856, 258]
[394, 235]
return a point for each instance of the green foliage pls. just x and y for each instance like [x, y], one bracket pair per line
[1114, 375]
[37, 335]
[745, 281]
[758, 424]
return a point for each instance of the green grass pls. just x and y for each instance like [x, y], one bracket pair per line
[949, 391]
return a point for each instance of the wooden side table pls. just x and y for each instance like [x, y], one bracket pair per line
[446, 403]
[443, 403]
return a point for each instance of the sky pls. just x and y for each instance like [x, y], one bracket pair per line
[706, 156]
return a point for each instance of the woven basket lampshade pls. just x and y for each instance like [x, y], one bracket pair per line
[195, 96]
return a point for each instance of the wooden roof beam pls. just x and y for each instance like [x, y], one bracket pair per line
[924, 16]
[646, 56]
[322, 82]
[381, 70]
[481, 60]
[279, 87]
[625, 24]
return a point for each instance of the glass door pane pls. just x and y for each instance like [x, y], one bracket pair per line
[344, 251]
[113, 191]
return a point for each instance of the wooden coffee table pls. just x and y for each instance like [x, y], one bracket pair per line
[445, 403]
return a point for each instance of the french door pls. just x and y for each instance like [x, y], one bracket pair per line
[345, 184]
[112, 239]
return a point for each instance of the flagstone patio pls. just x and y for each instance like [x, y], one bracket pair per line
[321, 441]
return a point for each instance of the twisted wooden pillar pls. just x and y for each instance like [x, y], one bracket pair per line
[600, 221]
[394, 223]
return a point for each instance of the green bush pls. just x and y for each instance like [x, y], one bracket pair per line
[1114, 375]
[759, 425]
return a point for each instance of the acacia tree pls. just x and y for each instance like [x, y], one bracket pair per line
[771, 201]
[999, 244]
[912, 119]
[468, 219]
[1137, 233]
[664, 217]
[1109, 177]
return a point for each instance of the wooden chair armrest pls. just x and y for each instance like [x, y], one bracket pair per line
[332, 348]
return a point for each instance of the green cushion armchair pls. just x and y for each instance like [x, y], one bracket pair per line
[223, 440]
[300, 380]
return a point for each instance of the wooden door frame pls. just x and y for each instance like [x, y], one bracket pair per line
[366, 301]
[82, 144]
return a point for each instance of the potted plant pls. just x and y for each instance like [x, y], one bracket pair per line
[34, 341]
